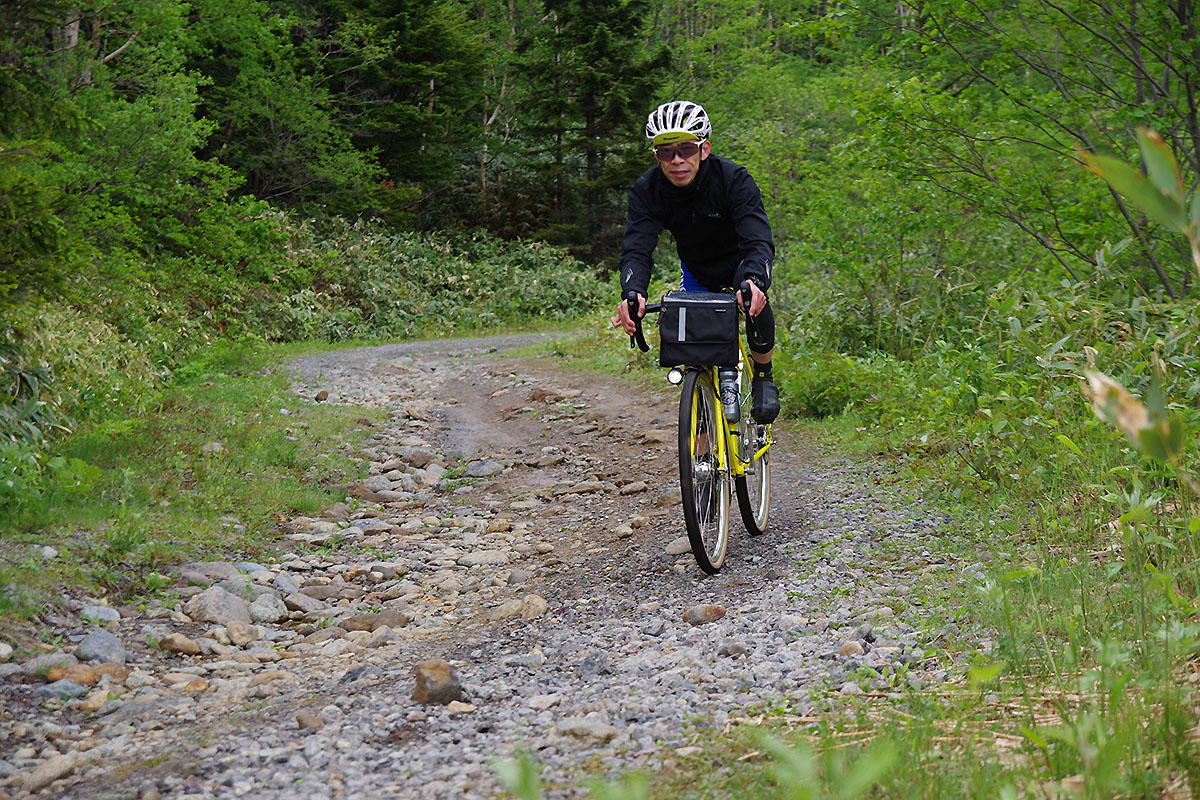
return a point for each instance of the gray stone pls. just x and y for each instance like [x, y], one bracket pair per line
[864, 632]
[38, 666]
[6, 652]
[286, 584]
[732, 649]
[534, 659]
[241, 633]
[594, 665]
[654, 628]
[329, 591]
[268, 608]
[238, 587]
[101, 647]
[517, 576]
[49, 771]
[100, 614]
[304, 603]
[668, 498]
[377, 483]
[484, 469]
[59, 690]
[484, 558]
[207, 572]
[250, 567]
[678, 546]
[584, 487]
[215, 604]
[591, 731]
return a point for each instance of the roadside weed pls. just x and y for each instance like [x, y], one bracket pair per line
[131, 495]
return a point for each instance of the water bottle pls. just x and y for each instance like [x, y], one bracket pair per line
[728, 380]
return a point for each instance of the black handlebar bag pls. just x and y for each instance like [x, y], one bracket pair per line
[698, 329]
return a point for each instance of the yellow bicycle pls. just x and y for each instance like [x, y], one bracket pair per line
[717, 456]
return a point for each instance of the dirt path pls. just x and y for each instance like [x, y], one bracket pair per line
[546, 583]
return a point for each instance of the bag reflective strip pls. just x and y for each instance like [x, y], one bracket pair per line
[682, 325]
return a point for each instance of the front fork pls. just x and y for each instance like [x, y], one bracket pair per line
[727, 436]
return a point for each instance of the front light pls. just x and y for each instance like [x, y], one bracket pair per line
[675, 376]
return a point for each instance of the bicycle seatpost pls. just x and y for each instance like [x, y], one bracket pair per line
[637, 339]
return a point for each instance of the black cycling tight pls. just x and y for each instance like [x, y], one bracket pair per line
[765, 322]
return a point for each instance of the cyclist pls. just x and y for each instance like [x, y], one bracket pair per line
[715, 211]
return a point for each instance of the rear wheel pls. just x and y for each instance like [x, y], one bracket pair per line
[754, 485]
[703, 480]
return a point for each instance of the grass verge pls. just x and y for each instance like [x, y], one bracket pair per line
[207, 470]
[1093, 687]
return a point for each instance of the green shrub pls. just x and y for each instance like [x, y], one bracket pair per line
[821, 383]
[29, 407]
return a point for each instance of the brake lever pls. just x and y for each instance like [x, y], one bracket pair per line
[751, 322]
[637, 339]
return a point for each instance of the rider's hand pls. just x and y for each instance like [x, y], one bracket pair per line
[623, 320]
[758, 300]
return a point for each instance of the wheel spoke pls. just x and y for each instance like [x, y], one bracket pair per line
[703, 481]
[754, 485]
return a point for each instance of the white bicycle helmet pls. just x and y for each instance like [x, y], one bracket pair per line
[677, 121]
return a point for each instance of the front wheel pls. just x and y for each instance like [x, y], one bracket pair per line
[703, 479]
[753, 486]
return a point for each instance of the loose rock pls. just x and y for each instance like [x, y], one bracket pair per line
[703, 614]
[437, 683]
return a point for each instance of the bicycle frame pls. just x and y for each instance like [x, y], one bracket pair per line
[717, 458]
[729, 445]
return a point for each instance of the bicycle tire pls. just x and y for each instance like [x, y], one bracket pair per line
[753, 487]
[703, 482]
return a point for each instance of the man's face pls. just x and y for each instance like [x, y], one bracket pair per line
[679, 170]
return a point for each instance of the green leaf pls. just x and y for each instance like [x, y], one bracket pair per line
[1139, 190]
[1020, 574]
[984, 673]
[1196, 213]
[795, 768]
[1160, 165]
[867, 771]
[1176, 434]
[1164, 439]
[522, 777]
[1071, 445]
[1034, 737]
[1057, 346]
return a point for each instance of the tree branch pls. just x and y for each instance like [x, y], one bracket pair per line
[120, 49]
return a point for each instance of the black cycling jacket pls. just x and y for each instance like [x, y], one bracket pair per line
[720, 227]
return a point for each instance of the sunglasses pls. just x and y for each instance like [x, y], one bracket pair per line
[666, 152]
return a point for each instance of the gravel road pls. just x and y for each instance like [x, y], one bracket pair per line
[507, 578]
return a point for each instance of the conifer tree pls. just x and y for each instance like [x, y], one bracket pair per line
[590, 79]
